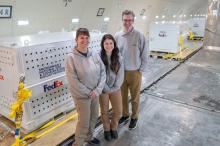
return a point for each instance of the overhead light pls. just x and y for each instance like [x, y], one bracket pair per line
[163, 22]
[180, 16]
[174, 22]
[106, 19]
[143, 17]
[163, 16]
[22, 22]
[184, 15]
[195, 15]
[156, 22]
[174, 16]
[191, 15]
[135, 17]
[157, 17]
[75, 20]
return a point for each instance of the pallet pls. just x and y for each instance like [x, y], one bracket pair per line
[184, 54]
[161, 55]
[197, 38]
[180, 56]
[7, 137]
[51, 129]
[56, 133]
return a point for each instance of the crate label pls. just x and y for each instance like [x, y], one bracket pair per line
[50, 70]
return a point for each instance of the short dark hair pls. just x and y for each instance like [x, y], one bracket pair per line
[128, 12]
[82, 31]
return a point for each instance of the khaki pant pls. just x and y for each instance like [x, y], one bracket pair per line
[116, 102]
[132, 82]
[88, 112]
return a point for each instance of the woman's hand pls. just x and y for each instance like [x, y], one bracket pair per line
[92, 95]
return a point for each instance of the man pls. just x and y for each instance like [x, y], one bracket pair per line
[134, 48]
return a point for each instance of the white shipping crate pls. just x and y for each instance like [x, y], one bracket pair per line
[40, 58]
[197, 26]
[164, 37]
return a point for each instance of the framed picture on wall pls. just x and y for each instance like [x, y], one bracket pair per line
[100, 11]
[5, 11]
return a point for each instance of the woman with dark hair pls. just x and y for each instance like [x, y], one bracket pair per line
[114, 77]
[86, 77]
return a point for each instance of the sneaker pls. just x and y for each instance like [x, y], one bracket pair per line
[94, 141]
[133, 124]
[123, 120]
[107, 135]
[114, 134]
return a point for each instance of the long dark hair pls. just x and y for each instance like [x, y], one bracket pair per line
[115, 64]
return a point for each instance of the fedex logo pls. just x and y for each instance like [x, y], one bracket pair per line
[162, 34]
[56, 84]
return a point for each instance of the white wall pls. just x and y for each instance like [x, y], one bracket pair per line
[6, 24]
[42, 15]
[53, 16]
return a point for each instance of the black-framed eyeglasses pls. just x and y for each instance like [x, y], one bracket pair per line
[128, 20]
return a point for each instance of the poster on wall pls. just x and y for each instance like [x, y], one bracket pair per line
[5, 11]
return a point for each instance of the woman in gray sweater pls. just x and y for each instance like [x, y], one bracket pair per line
[114, 77]
[86, 77]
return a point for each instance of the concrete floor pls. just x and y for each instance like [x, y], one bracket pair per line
[156, 68]
[183, 109]
[196, 82]
[166, 123]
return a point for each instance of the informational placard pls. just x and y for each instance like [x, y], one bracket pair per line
[5, 11]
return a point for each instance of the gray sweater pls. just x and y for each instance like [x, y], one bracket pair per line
[114, 80]
[85, 74]
[134, 49]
